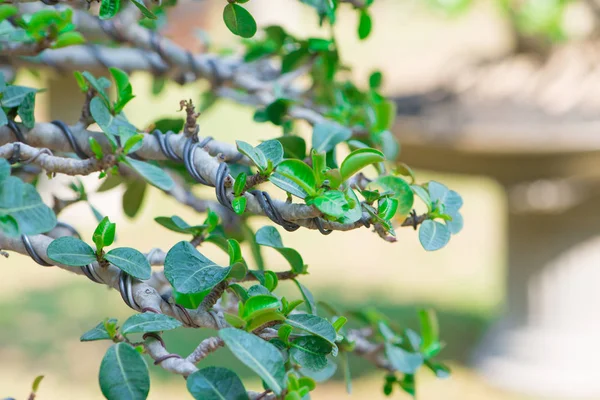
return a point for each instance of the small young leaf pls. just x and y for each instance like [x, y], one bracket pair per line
[71, 251]
[149, 322]
[36, 383]
[130, 261]
[257, 354]
[109, 8]
[359, 159]
[96, 148]
[239, 205]
[239, 184]
[239, 21]
[259, 304]
[216, 383]
[375, 80]
[124, 374]
[140, 5]
[364, 24]
[97, 333]
[68, 39]
[104, 235]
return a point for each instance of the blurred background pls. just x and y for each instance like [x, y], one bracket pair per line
[498, 105]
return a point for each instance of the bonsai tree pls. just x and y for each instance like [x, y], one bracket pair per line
[291, 343]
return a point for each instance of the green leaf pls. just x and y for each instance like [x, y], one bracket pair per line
[132, 143]
[216, 383]
[124, 374]
[401, 191]
[71, 251]
[104, 235]
[23, 203]
[269, 236]
[359, 159]
[13, 95]
[385, 115]
[430, 345]
[327, 135]
[299, 173]
[332, 202]
[108, 8]
[309, 300]
[451, 200]
[149, 322]
[133, 197]
[277, 110]
[151, 173]
[7, 11]
[97, 333]
[375, 80]
[147, 13]
[259, 303]
[287, 184]
[100, 85]
[104, 119]
[189, 271]
[272, 150]
[423, 194]
[65, 39]
[234, 320]
[130, 261]
[239, 21]
[254, 154]
[81, 82]
[169, 124]
[325, 374]
[456, 224]
[177, 224]
[293, 146]
[26, 110]
[191, 301]
[364, 24]
[440, 370]
[260, 356]
[9, 226]
[310, 352]
[239, 184]
[387, 208]
[433, 235]
[239, 205]
[261, 318]
[314, 324]
[402, 360]
[124, 89]
[294, 59]
[36, 383]
[354, 212]
[96, 148]
[3, 117]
